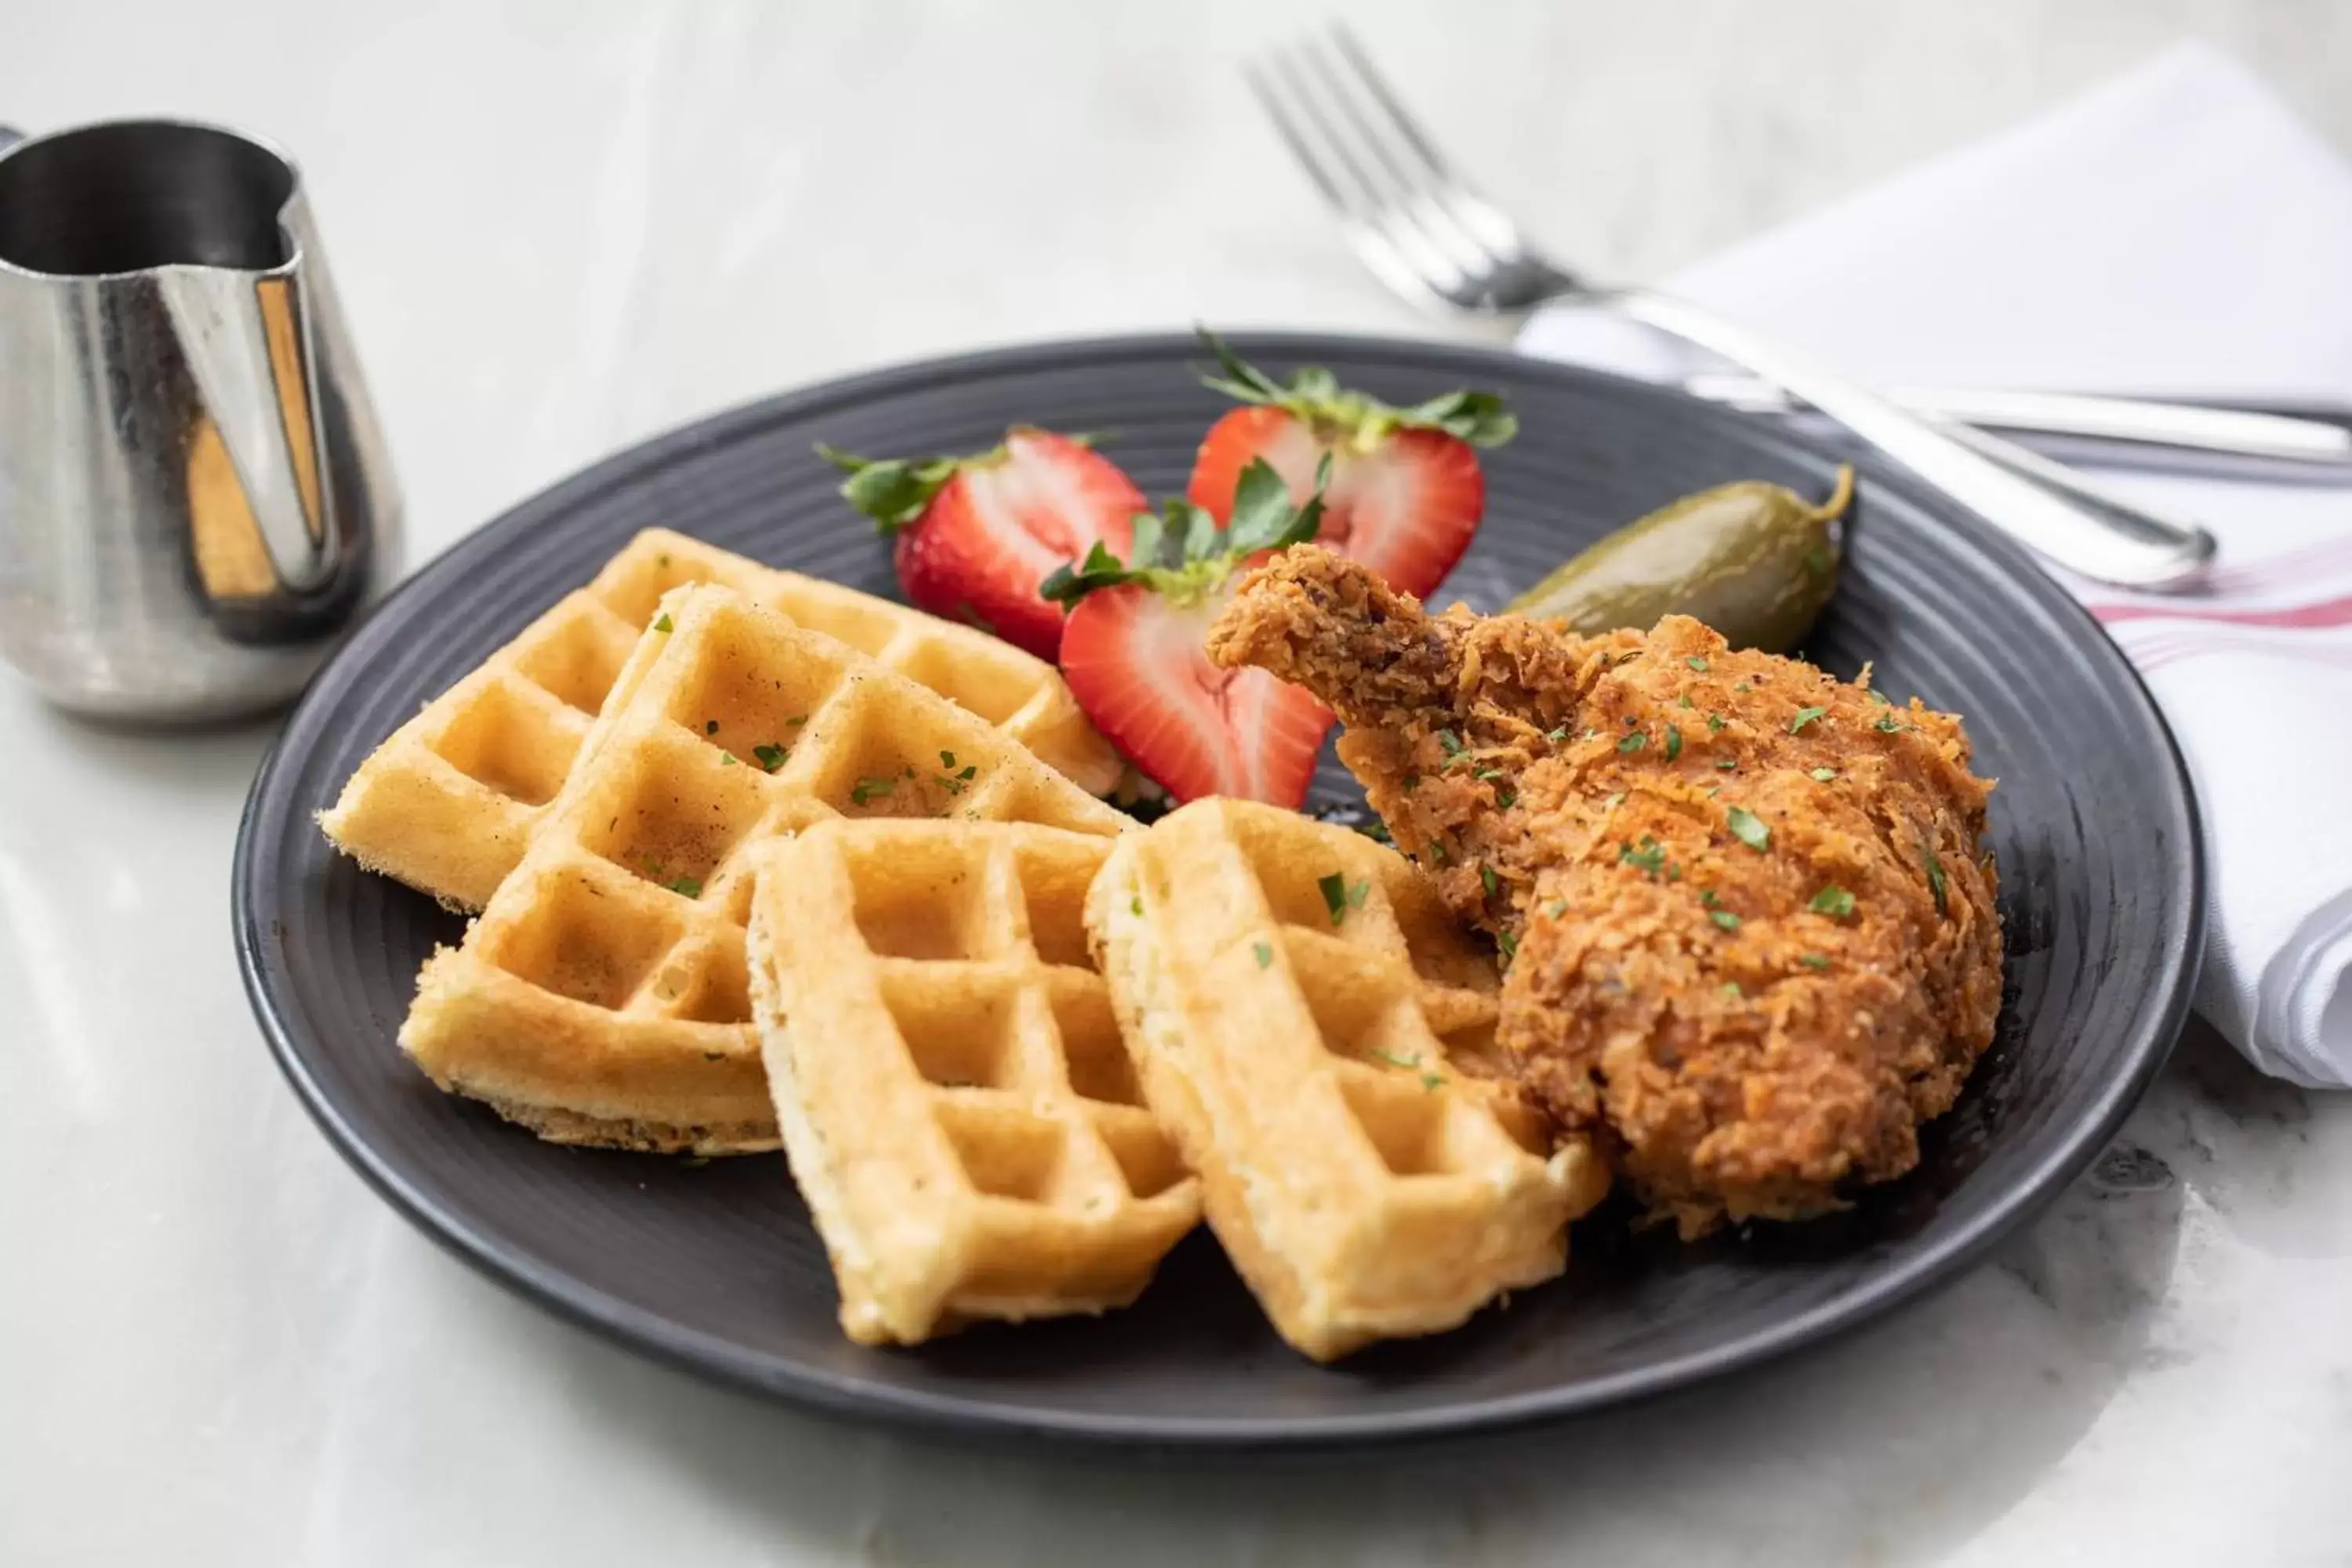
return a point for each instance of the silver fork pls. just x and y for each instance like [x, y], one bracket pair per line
[1498, 273]
[1427, 234]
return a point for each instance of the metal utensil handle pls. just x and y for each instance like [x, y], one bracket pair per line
[2198, 428]
[2145, 422]
[2076, 487]
[2089, 534]
[9, 137]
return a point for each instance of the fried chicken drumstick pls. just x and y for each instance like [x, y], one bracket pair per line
[1747, 909]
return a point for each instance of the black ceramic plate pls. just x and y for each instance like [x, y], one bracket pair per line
[715, 1267]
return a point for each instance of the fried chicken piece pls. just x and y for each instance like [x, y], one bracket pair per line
[1748, 911]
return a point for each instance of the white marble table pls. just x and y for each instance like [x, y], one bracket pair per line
[561, 228]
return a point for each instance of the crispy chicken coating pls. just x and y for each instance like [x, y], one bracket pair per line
[1747, 907]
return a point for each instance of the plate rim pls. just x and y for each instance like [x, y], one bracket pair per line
[723, 1362]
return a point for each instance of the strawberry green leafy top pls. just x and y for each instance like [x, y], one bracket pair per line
[1362, 422]
[1184, 555]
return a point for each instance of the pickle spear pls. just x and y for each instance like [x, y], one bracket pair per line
[1754, 561]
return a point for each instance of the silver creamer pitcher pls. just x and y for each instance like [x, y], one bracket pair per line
[194, 493]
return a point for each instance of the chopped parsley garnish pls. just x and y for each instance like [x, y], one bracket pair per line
[771, 757]
[1726, 763]
[1650, 857]
[1340, 898]
[1695, 661]
[1505, 799]
[1673, 743]
[1633, 742]
[1889, 727]
[1804, 716]
[1486, 879]
[1377, 831]
[1742, 685]
[1431, 1080]
[1510, 945]
[1135, 905]
[947, 760]
[1749, 828]
[727, 759]
[1557, 736]
[1725, 919]
[1823, 775]
[1880, 698]
[1714, 723]
[796, 718]
[1264, 951]
[1812, 961]
[1616, 798]
[1411, 782]
[1334, 889]
[1935, 874]
[1732, 988]
[1589, 735]
[690, 887]
[1395, 1061]
[1833, 901]
[1683, 699]
[1483, 775]
[1557, 908]
[865, 790]
[1452, 744]
[1437, 851]
[1707, 899]
[661, 623]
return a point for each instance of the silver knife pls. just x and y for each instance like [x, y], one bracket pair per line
[2237, 432]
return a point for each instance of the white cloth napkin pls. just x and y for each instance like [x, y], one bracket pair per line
[2175, 231]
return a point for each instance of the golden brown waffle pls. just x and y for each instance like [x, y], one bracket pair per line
[448, 802]
[959, 1110]
[601, 996]
[1316, 1032]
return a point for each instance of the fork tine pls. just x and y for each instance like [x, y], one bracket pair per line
[1270, 101]
[1448, 200]
[1387, 208]
[1297, 99]
[1405, 195]
[1361, 128]
[1398, 254]
[1343, 39]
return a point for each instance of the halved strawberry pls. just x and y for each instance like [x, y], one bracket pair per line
[1405, 492]
[976, 534]
[1134, 656]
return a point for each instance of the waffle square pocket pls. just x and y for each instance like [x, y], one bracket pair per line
[1316, 1034]
[601, 996]
[448, 802]
[959, 1110]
